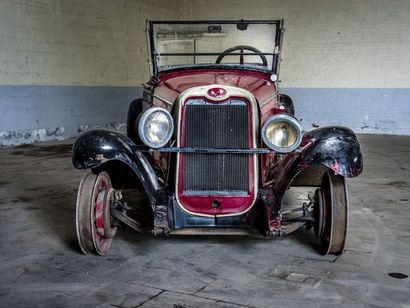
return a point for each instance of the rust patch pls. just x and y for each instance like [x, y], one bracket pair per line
[101, 158]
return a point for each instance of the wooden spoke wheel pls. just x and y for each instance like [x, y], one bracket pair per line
[331, 213]
[93, 219]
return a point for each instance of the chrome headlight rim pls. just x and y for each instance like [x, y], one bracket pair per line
[143, 120]
[290, 120]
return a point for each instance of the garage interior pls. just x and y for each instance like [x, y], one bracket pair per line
[70, 66]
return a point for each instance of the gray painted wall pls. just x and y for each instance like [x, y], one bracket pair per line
[42, 113]
[370, 111]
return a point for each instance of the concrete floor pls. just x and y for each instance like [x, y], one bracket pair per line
[40, 263]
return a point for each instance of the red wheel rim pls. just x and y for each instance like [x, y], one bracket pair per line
[99, 202]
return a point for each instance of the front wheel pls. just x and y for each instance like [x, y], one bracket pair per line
[93, 219]
[331, 213]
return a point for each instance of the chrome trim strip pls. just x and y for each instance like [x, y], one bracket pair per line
[212, 150]
[231, 91]
[236, 193]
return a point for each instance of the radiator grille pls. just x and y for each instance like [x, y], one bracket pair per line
[216, 126]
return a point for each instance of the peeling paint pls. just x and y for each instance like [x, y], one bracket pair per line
[30, 136]
[101, 158]
[37, 113]
[52, 134]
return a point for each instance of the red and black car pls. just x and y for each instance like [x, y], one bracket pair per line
[214, 145]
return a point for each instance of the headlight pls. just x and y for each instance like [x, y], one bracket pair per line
[282, 133]
[155, 127]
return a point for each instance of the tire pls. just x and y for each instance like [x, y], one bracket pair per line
[331, 212]
[134, 112]
[93, 219]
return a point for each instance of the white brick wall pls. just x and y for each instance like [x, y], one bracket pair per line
[330, 43]
[61, 42]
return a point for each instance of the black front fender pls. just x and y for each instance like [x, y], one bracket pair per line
[103, 150]
[334, 149]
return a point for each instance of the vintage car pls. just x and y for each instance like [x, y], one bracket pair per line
[214, 145]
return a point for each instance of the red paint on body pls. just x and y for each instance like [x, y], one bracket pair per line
[335, 165]
[170, 85]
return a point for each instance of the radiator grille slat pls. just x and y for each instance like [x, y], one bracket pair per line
[216, 126]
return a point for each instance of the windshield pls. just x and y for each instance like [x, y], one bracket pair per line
[253, 44]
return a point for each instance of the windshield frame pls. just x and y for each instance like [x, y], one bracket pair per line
[154, 54]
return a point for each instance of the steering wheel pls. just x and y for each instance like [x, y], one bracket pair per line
[241, 48]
